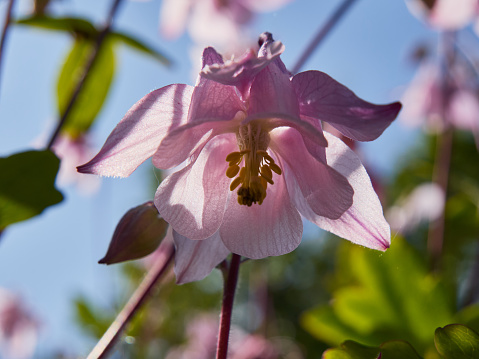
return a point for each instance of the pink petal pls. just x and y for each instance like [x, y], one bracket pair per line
[322, 97]
[214, 106]
[270, 229]
[271, 91]
[193, 199]
[363, 223]
[241, 73]
[326, 191]
[139, 133]
[194, 260]
[464, 110]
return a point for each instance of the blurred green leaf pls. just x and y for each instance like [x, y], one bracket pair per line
[138, 45]
[395, 349]
[392, 296]
[92, 320]
[398, 349]
[95, 89]
[456, 341]
[73, 25]
[351, 350]
[27, 185]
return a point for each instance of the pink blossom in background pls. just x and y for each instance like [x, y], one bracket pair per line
[202, 339]
[73, 152]
[445, 14]
[439, 99]
[18, 328]
[279, 162]
[424, 204]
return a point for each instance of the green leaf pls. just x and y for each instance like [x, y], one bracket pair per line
[27, 185]
[95, 89]
[391, 296]
[138, 45]
[77, 26]
[457, 341]
[351, 350]
[93, 320]
[398, 349]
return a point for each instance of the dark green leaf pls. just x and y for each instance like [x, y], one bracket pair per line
[138, 45]
[95, 89]
[69, 24]
[27, 185]
[457, 341]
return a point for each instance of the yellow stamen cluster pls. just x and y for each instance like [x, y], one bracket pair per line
[254, 176]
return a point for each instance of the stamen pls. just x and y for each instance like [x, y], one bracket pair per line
[232, 171]
[258, 165]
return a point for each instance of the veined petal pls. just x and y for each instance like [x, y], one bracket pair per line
[326, 191]
[139, 133]
[363, 223]
[195, 259]
[324, 98]
[270, 229]
[271, 91]
[193, 199]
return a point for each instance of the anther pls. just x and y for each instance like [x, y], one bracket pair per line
[232, 171]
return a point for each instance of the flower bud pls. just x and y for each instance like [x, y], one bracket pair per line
[139, 232]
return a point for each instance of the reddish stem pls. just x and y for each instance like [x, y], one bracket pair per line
[322, 33]
[111, 336]
[6, 26]
[227, 307]
[86, 72]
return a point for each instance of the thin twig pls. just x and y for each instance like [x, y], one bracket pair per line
[111, 336]
[6, 26]
[322, 33]
[93, 56]
[227, 307]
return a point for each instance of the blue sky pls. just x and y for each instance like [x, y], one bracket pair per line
[53, 258]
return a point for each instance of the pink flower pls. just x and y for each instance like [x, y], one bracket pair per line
[202, 334]
[18, 329]
[279, 161]
[211, 21]
[445, 14]
[440, 99]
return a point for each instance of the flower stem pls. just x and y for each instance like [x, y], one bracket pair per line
[6, 26]
[322, 33]
[91, 60]
[227, 307]
[111, 336]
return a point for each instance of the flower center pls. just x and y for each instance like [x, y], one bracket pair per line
[258, 167]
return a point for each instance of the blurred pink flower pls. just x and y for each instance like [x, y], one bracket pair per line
[255, 116]
[214, 22]
[73, 152]
[440, 99]
[202, 337]
[18, 329]
[424, 204]
[445, 14]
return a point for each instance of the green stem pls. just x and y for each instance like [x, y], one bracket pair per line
[227, 307]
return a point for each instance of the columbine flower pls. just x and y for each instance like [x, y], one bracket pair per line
[440, 98]
[18, 328]
[445, 14]
[256, 157]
